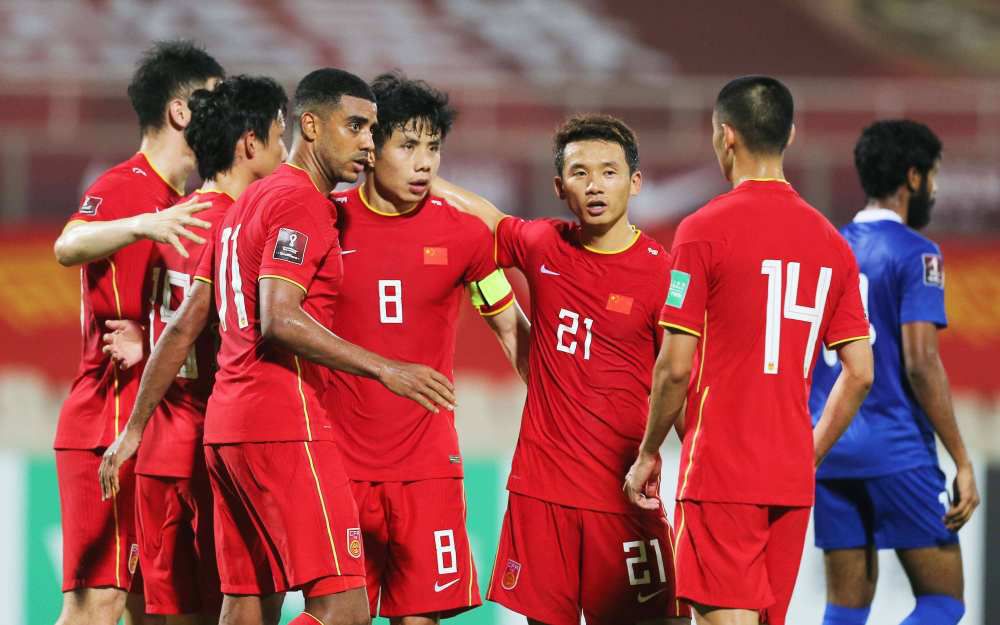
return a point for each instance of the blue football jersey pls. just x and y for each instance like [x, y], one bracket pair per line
[902, 281]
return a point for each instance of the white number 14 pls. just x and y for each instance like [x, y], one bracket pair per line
[792, 310]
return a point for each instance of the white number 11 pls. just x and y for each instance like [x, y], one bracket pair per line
[792, 310]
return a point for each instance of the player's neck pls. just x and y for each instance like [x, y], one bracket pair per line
[895, 203]
[753, 167]
[304, 158]
[378, 202]
[608, 238]
[168, 153]
[233, 183]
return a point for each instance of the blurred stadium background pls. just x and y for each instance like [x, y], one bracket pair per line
[514, 68]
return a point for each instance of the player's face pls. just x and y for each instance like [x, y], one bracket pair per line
[344, 138]
[722, 144]
[596, 182]
[275, 152]
[918, 213]
[407, 162]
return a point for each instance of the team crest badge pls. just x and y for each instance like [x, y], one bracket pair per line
[133, 559]
[354, 542]
[933, 270]
[90, 205]
[510, 575]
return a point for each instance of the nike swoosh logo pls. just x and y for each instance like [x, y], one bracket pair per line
[440, 587]
[346, 252]
[545, 270]
[644, 598]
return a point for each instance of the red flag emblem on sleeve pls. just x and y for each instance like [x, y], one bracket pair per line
[620, 303]
[435, 256]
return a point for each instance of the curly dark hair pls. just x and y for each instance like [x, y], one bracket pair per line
[595, 127]
[221, 116]
[402, 101]
[887, 150]
[760, 109]
[168, 70]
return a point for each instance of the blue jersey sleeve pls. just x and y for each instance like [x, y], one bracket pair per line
[921, 274]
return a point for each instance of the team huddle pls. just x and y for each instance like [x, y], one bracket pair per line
[266, 399]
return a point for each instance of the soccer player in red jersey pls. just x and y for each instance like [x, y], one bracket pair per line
[409, 257]
[236, 135]
[111, 235]
[758, 278]
[285, 518]
[570, 542]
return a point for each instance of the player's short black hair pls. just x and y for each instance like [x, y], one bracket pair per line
[887, 150]
[595, 127]
[220, 117]
[324, 87]
[761, 109]
[168, 70]
[402, 101]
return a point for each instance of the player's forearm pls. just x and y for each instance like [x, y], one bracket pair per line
[83, 242]
[169, 354]
[467, 201]
[298, 332]
[513, 330]
[665, 403]
[929, 382]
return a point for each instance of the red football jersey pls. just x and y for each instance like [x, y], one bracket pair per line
[594, 339]
[101, 396]
[404, 281]
[281, 228]
[760, 276]
[177, 424]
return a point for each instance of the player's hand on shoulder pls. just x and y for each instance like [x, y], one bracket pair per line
[424, 385]
[642, 483]
[123, 448]
[170, 224]
[124, 342]
[966, 498]
[467, 202]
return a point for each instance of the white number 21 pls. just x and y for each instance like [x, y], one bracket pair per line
[792, 310]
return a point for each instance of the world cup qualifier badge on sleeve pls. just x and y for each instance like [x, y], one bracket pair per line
[290, 246]
[354, 542]
[511, 574]
[933, 270]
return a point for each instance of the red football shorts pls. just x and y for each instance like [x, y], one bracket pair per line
[99, 541]
[554, 561]
[284, 519]
[740, 555]
[177, 544]
[416, 548]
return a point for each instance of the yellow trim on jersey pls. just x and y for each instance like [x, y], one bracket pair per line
[289, 280]
[494, 313]
[496, 240]
[322, 504]
[313, 617]
[694, 443]
[704, 348]
[681, 328]
[202, 191]
[465, 508]
[364, 200]
[676, 546]
[294, 166]
[203, 279]
[853, 338]
[118, 542]
[765, 180]
[73, 222]
[624, 249]
[302, 396]
[114, 287]
[162, 177]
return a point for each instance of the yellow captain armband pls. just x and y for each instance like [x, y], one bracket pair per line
[490, 290]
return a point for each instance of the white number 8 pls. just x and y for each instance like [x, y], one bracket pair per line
[444, 541]
[390, 292]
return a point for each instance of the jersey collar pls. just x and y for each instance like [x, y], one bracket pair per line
[877, 214]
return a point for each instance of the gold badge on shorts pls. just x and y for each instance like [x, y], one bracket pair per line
[133, 559]
[510, 575]
[354, 542]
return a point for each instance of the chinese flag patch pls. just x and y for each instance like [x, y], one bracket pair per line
[620, 303]
[435, 256]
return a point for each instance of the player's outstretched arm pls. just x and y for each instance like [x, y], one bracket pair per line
[283, 321]
[467, 202]
[166, 360]
[513, 330]
[929, 381]
[850, 389]
[86, 241]
[671, 376]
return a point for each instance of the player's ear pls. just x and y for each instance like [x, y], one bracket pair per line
[913, 179]
[250, 143]
[178, 114]
[557, 184]
[728, 138]
[635, 184]
[791, 137]
[309, 125]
